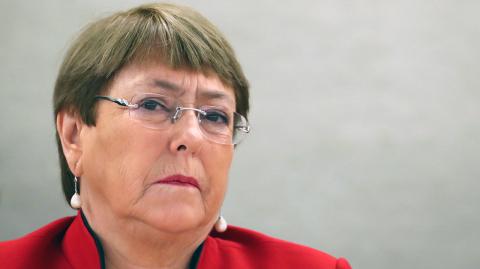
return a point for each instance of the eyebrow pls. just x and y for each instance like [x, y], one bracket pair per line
[203, 92]
[215, 94]
[167, 85]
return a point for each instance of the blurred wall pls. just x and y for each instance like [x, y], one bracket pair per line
[365, 117]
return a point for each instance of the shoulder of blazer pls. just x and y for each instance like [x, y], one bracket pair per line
[244, 248]
[38, 249]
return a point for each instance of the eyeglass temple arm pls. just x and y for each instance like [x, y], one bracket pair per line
[118, 101]
[245, 129]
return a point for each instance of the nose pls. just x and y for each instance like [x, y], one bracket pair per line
[186, 133]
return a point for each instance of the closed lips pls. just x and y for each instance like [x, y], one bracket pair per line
[179, 180]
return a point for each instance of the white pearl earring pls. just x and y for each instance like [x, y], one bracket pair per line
[221, 224]
[76, 202]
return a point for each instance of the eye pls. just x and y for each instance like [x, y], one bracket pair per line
[215, 116]
[153, 105]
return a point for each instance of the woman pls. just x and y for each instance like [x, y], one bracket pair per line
[149, 105]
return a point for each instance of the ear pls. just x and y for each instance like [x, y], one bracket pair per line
[69, 128]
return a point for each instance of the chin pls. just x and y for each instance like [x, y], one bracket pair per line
[178, 218]
[172, 209]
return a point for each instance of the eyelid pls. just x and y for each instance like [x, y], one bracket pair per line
[158, 99]
[172, 101]
[222, 109]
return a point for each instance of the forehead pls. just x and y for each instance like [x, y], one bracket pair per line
[157, 77]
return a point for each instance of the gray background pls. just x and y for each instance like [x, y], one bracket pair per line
[365, 138]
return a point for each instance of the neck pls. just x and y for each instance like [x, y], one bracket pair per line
[133, 244]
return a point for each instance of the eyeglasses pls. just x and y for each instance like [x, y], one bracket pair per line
[156, 111]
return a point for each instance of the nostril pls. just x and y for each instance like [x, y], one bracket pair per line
[181, 148]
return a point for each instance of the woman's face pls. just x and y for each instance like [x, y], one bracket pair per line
[122, 161]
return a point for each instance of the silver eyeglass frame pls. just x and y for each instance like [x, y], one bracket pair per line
[177, 115]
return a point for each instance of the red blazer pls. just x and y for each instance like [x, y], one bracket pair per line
[68, 243]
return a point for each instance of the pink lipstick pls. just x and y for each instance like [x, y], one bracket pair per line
[180, 181]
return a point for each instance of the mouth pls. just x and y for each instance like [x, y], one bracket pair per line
[179, 180]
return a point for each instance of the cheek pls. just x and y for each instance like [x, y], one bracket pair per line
[118, 161]
[217, 165]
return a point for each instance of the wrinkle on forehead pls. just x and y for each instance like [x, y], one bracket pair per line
[157, 77]
[201, 92]
[184, 83]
